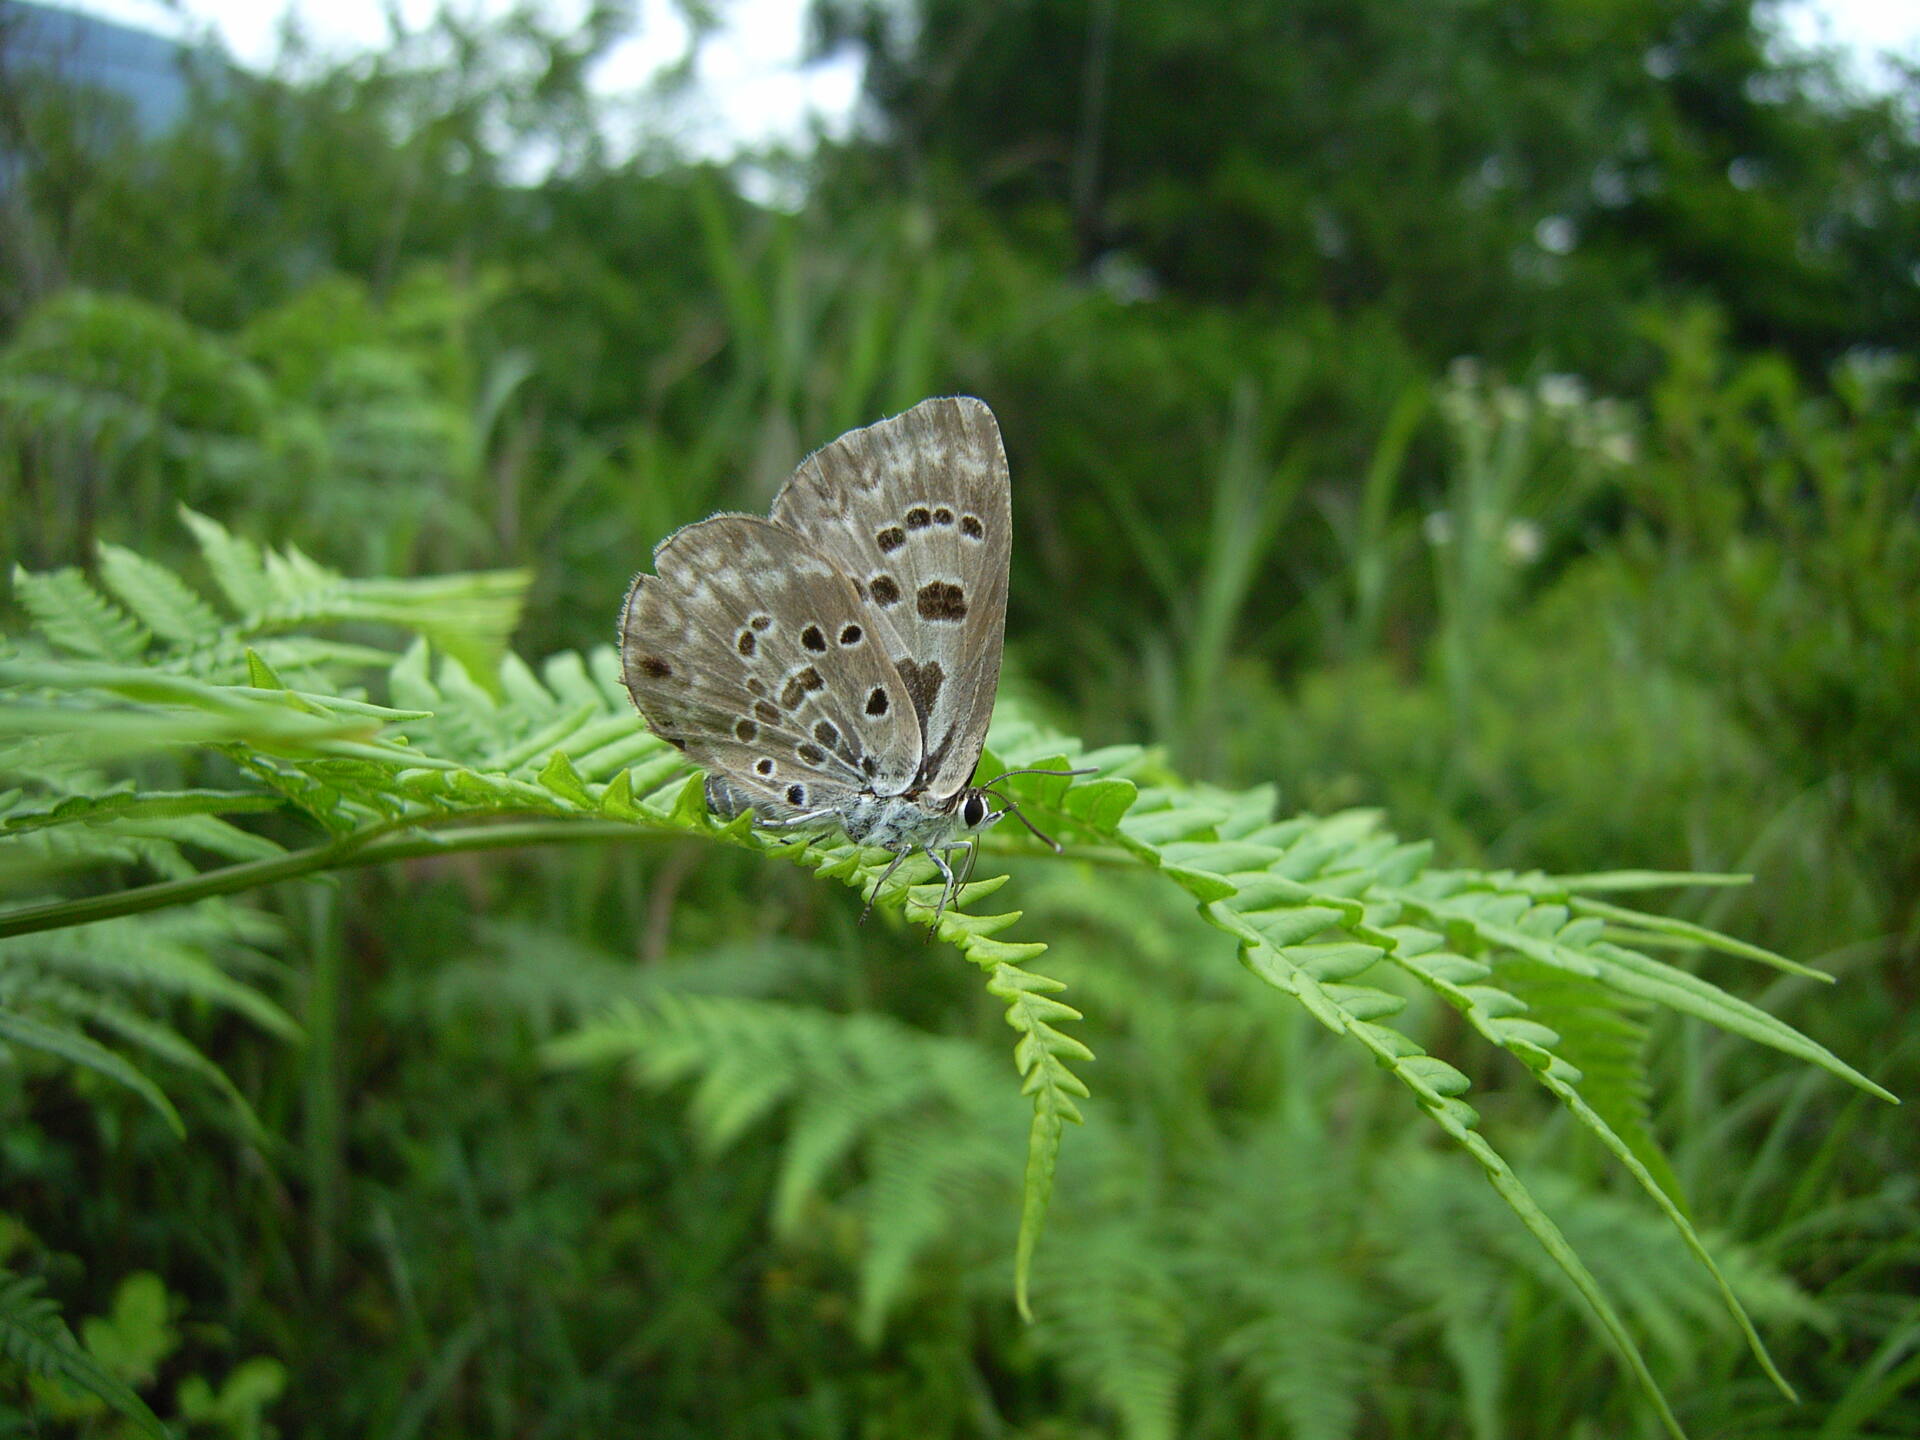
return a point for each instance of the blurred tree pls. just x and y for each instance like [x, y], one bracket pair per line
[1500, 178]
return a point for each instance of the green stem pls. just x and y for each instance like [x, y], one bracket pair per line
[368, 848]
[340, 854]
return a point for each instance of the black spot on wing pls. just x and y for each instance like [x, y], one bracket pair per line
[800, 684]
[885, 590]
[654, 668]
[941, 601]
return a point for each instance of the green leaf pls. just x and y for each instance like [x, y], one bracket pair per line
[33, 1337]
[1698, 935]
[236, 565]
[161, 599]
[77, 1049]
[78, 618]
[151, 804]
[1635, 974]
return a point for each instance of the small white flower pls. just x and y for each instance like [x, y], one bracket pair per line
[1524, 542]
[1618, 448]
[1560, 393]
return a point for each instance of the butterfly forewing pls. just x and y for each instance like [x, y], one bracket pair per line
[756, 655]
[916, 512]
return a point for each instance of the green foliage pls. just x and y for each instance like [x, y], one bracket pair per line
[1313, 905]
[1514, 184]
[623, 1116]
[35, 1342]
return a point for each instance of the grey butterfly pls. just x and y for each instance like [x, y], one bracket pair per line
[836, 663]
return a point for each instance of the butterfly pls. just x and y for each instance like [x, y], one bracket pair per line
[836, 662]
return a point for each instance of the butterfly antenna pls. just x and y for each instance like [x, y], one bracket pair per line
[1009, 774]
[1014, 810]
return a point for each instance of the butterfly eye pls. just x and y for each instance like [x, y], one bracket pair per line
[973, 810]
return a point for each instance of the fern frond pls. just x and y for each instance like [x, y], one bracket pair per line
[35, 1338]
[1604, 1037]
[142, 954]
[1287, 893]
[1113, 1318]
[1312, 904]
[1500, 1017]
[924, 1112]
[467, 616]
[77, 618]
[75, 1048]
[134, 805]
[925, 1181]
[162, 601]
[161, 1041]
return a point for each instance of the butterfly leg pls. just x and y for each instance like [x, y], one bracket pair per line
[973, 854]
[939, 858]
[879, 884]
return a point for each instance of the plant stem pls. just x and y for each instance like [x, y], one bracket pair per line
[338, 855]
[367, 848]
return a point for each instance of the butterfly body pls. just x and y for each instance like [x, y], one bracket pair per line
[890, 822]
[835, 663]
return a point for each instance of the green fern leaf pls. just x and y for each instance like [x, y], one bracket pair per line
[159, 598]
[136, 952]
[1496, 919]
[77, 618]
[238, 566]
[1608, 1102]
[163, 1043]
[77, 1049]
[1113, 1318]
[33, 1336]
[132, 805]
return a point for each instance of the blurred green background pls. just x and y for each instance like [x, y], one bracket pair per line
[1503, 414]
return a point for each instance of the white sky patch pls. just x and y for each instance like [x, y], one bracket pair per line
[752, 89]
[1867, 32]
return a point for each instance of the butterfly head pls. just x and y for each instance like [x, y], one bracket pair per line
[976, 808]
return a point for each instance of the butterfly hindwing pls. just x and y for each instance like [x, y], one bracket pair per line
[917, 512]
[756, 656]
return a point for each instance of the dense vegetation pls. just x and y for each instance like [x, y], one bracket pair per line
[1491, 427]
